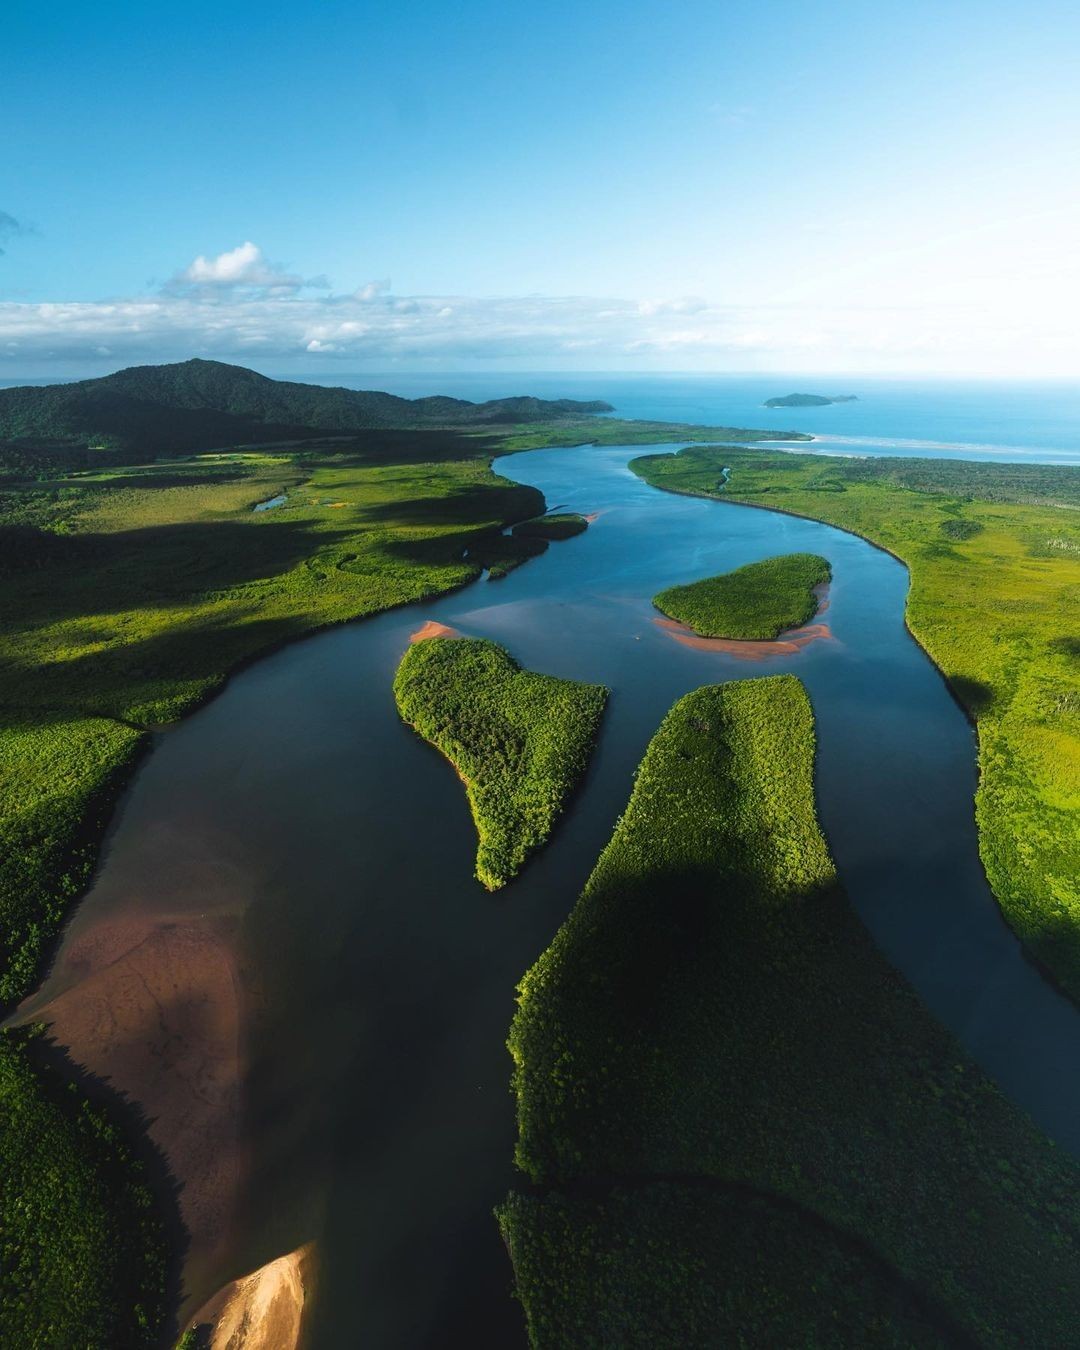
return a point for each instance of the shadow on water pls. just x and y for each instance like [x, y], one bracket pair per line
[378, 977]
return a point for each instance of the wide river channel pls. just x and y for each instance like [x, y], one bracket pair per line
[376, 1108]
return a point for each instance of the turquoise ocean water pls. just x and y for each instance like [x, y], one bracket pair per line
[1037, 422]
[1033, 421]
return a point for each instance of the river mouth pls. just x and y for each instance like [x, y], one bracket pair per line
[356, 1096]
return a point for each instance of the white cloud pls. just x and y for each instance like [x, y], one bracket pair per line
[244, 266]
[373, 290]
[236, 307]
[227, 269]
[686, 304]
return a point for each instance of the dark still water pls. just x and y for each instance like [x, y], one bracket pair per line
[378, 976]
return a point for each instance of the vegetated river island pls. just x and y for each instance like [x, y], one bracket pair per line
[752, 603]
[740, 1124]
[519, 740]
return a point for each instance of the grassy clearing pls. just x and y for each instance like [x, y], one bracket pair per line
[83, 1250]
[713, 1012]
[994, 556]
[519, 740]
[759, 600]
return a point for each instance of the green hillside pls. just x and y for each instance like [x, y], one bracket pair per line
[199, 405]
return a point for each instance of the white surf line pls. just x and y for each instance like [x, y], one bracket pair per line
[904, 443]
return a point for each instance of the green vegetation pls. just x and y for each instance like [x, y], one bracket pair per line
[674, 1264]
[128, 596]
[59, 780]
[615, 431]
[519, 740]
[994, 556]
[156, 590]
[500, 553]
[197, 405]
[713, 1016]
[558, 526]
[83, 1250]
[808, 400]
[961, 529]
[760, 600]
[130, 591]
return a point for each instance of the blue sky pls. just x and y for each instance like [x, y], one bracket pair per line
[730, 186]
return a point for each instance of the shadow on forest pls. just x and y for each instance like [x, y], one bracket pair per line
[68, 1084]
[467, 505]
[419, 447]
[179, 664]
[973, 695]
[160, 564]
[161, 478]
[1066, 646]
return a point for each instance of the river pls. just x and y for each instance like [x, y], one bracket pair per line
[324, 854]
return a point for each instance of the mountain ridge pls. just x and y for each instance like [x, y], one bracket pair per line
[201, 405]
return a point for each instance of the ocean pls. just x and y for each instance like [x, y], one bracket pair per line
[1026, 421]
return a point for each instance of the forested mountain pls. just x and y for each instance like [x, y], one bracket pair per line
[201, 405]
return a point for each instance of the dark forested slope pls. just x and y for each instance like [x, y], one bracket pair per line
[199, 405]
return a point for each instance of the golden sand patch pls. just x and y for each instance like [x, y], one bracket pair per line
[431, 629]
[264, 1310]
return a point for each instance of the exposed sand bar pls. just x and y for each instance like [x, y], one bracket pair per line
[747, 650]
[431, 629]
[264, 1310]
[785, 645]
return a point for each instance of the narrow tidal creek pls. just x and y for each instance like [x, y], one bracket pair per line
[285, 958]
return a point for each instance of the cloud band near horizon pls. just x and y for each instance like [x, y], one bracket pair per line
[239, 307]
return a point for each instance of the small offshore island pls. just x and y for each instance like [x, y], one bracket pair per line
[808, 400]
